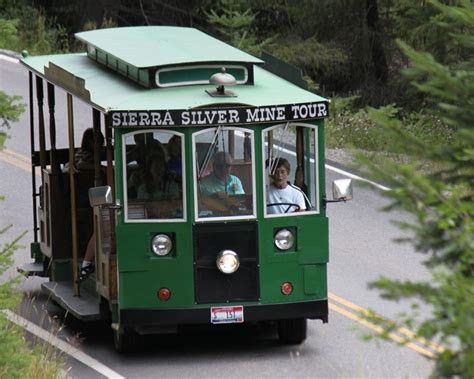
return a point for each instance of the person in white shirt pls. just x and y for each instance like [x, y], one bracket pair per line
[283, 197]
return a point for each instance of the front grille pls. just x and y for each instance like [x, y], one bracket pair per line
[211, 285]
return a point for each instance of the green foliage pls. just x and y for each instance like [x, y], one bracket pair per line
[8, 34]
[9, 111]
[317, 60]
[28, 28]
[441, 202]
[234, 21]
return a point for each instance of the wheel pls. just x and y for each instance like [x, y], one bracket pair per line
[293, 331]
[127, 341]
[290, 205]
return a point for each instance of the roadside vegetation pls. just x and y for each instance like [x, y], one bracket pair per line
[17, 358]
[441, 202]
[407, 115]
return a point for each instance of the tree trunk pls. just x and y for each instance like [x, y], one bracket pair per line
[379, 59]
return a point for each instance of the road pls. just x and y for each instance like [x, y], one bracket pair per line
[361, 249]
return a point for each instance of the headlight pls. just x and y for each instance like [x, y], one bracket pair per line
[284, 239]
[227, 261]
[161, 244]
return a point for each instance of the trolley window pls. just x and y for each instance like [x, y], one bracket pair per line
[224, 173]
[290, 159]
[153, 176]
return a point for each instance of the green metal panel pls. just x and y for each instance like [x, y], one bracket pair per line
[143, 77]
[196, 74]
[150, 46]
[107, 91]
[314, 277]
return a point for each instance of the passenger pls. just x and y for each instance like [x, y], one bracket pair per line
[221, 181]
[84, 156]
[282, 193]
[174, 164]
[145, 145]
[84, 161]
[157, 185]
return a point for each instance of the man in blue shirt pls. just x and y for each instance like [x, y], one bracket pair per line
[221, 182]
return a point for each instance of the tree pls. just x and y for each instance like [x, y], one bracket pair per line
[442, 202]
[234, 20]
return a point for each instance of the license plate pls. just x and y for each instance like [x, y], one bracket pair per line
[227, 315]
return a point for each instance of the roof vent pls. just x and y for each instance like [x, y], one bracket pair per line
[222, 79]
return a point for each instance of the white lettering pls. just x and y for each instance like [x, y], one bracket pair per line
[222, 117]
[209, 118]
[252, 116]
[168, 120]
[312, 110]
[304, 111]
[322, 110]
[116, 119]
[233, 116]
[200, 119]
[155, 119]
[295, 109]
[144, 119]
[270, 114]
[185, 118]
[132, 119]
[280, 113]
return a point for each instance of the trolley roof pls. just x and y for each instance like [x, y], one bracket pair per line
[152, 46]
[108, 91]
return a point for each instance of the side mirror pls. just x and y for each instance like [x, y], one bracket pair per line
[100, 196]
[342, 189]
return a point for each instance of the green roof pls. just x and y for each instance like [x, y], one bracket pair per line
[108, 91]
[151, 46]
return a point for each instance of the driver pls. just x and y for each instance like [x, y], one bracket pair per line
[221, 181]
[281, 192]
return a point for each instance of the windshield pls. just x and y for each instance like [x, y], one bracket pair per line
[291, 169]
[223, 170]
[153, 175]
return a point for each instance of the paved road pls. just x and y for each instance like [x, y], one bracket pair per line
[361, 250]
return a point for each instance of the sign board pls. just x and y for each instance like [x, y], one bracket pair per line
[219, 116]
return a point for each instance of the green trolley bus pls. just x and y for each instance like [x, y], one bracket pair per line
[199, 193]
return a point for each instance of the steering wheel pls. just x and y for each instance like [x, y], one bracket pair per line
[287, 209]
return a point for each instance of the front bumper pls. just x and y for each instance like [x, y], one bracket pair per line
[184, 316]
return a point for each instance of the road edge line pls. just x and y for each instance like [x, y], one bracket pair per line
[61, 345]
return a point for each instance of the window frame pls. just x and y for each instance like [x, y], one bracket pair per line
[316, 172]
[125, 179]
[240, 131]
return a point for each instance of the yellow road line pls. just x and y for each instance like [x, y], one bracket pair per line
[23, 162]
[380, 330]
[16, 159]
[401, 330]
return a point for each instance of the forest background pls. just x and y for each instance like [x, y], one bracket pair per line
[400, 76]
[346, 49]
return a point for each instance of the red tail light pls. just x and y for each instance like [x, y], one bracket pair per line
[286, 288]
[164, 294]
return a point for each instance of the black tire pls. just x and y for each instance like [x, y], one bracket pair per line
[293, 331]
[128, 341]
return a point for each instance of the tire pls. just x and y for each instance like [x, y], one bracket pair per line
[293, 331]
[128, 341]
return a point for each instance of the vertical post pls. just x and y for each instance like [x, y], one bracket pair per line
[72, 169]
[231, 143]
[42, 138]
[247, 148]
[52, 130]
[97, 147]
[299, 174]
[32, 145]
[110, 181]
